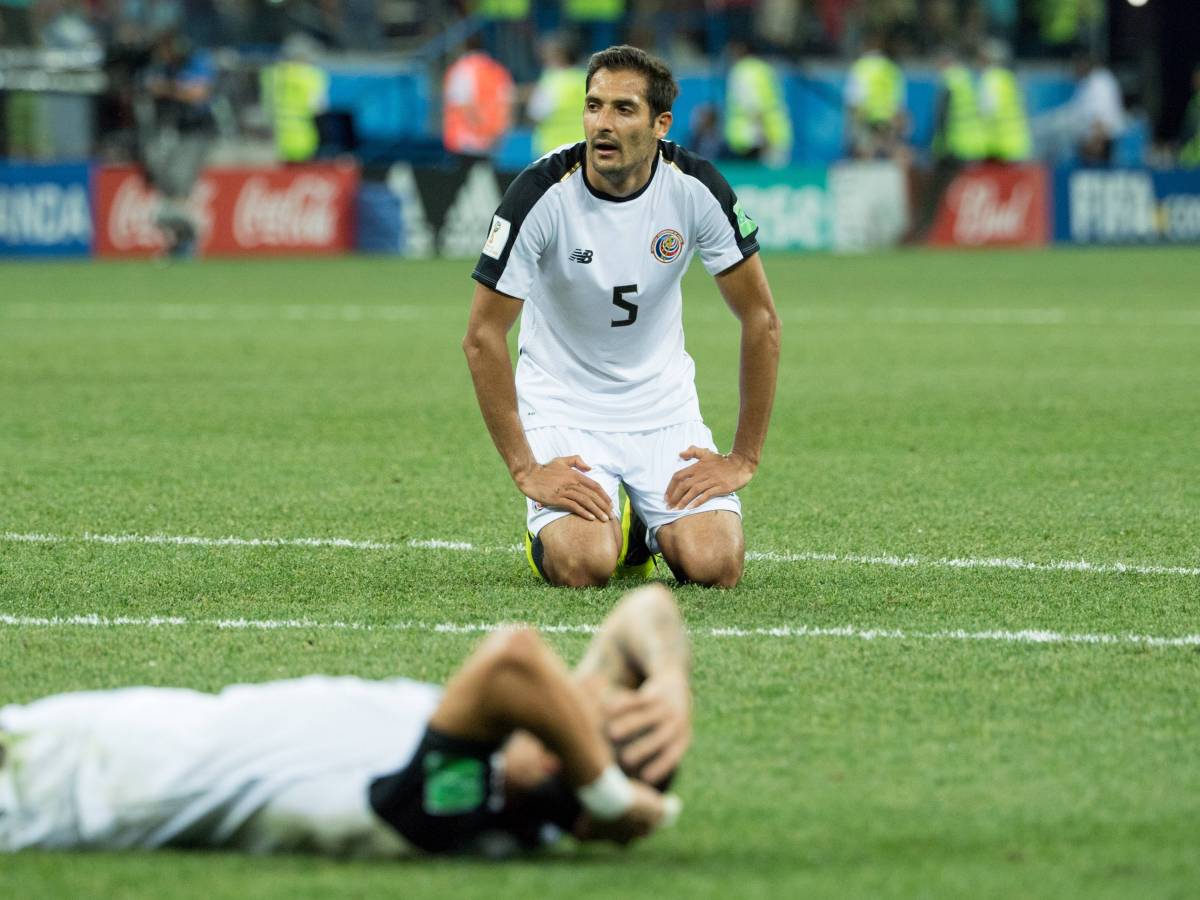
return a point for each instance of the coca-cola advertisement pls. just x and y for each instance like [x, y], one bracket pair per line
[994, 206]
[238, 211]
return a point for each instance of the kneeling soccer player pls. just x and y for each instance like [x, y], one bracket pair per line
[514, 752]
[588, 249]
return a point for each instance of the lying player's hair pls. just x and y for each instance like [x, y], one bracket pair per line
[661, 87]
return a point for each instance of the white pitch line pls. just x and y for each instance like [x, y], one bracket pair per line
[1064, 565]
[332, 312]
[207, 312]
[1026, 636]
[894, 561]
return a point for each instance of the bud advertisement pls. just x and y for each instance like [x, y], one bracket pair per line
[1134, 206]
[237, 211]
[45, 210]
[994, 206]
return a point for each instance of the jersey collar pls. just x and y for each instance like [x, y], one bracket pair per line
[601, 195]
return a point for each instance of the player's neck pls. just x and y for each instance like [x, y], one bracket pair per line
[626, 184]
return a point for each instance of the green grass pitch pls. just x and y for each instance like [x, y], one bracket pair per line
[952, 722]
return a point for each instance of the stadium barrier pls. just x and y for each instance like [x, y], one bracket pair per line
[1031, 205]
[305, 209]
[73, 210]
[1126, 206]
[846, 207]
[421, 212]
[435, 211]
[995, 206]
[45, 210]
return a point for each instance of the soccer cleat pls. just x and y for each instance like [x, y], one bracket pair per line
[636, 559]
[534, 551]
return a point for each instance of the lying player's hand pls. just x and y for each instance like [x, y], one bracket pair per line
[652, 726]
[648, 812]
[561, 484]
[713, 476]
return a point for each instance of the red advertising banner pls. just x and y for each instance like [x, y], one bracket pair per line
[239, 211]
[994, 206]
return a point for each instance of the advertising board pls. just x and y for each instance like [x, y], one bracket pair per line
[305, 209]
[791, 206]
[1127, 206]
[45, 210]
[994, 206]
[869, 205]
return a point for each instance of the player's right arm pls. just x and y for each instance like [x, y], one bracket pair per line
[642, 657]
[515, 681]
[559, 482]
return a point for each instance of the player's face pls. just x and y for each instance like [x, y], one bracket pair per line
[622, 136]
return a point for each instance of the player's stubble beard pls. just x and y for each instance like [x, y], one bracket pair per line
[632, 162]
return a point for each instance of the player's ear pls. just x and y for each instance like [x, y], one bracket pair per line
[662, 124]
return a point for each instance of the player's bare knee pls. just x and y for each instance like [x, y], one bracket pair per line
[712, 574]
[727, 574]
[580, 570]
[579, 574]
[709, 566]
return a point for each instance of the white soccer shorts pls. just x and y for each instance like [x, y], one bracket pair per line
[643, 461]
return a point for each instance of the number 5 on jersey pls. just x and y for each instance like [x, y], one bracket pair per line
[620, 302]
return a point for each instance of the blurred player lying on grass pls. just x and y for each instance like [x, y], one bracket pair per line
[513, 753]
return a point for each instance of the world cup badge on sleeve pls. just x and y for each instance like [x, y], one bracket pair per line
[497, 237]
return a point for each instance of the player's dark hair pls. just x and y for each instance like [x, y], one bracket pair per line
[661, 87]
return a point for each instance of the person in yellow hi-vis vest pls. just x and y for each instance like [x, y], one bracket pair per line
[876, 118]
[958, 133]
[294, 92]
[557, 101]
[959, 139]
[757, 122]
[598, 22]
[1002, 107]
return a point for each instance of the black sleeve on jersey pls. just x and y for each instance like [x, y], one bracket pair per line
[706, 173]
[443, 801]
[522, 195]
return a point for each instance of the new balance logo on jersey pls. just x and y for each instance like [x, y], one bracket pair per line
[581, 256]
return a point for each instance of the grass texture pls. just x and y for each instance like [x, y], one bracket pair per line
[930, 717]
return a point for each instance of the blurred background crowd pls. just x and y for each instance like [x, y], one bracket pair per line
[780, 81]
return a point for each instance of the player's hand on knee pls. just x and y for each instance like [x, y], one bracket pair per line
[561, 484]
[652, 726]
[713, 475]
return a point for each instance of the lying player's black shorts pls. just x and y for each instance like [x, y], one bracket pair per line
[450, 799]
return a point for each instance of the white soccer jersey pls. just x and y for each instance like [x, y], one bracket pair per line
[262, 767]
[601, 343]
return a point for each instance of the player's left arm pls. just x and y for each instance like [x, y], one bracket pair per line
[746, 291]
